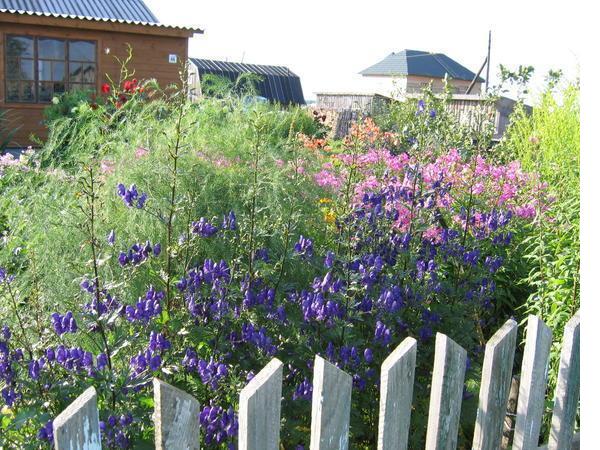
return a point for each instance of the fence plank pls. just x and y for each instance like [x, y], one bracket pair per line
[446, 394]
[260, 409]
[495, 386]
[566, 396]
[175, 418]
[397, 379]
[533, 385]
[330, 421]
[77, 427]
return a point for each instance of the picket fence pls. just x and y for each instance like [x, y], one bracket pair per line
[176, 412]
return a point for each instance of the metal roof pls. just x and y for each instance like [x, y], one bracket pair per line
[278, 83]
[130, 12]
[419, 63]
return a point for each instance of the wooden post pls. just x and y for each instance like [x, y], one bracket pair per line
[175, 418]
[330, 420]
[260, 409]
[77, 427]
[533, 385]
[397, 379]
[446, 394]
[495, 385]
[566, 397]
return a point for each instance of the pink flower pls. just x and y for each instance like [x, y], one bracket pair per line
[279, 162]
[434, 234]
[141, 152]
[526, 211]
[107, 166]
[325, 178]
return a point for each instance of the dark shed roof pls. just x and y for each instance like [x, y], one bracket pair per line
[278, 84]
[120, 10]
[419, 63]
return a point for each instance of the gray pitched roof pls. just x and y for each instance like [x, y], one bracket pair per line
[419, 63]
[130, 11]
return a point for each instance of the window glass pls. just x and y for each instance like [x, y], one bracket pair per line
[51, 49]
[51, 70]
[12, 91]
[38, 68]
[89, 73]
[75, 72]
[19, 46]
[82, 51]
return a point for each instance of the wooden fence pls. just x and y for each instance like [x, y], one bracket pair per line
[176, 412]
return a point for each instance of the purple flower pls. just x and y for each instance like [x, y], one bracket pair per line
[218, 424]
[138, 253]
[329, 260]
[146, 308]
[304, 247]
[130, 195]
[203, 228]
[46, 433]
[383, 334]
[63, 324]
[111, 237]
[368, 354]
[229, 221]
[303, 390]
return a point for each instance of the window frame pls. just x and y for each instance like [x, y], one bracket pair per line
[37, 82]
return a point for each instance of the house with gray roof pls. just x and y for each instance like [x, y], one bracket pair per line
[409, 71]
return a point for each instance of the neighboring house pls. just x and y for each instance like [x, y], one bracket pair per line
[52, 46]
[409, 71]
[278, 83]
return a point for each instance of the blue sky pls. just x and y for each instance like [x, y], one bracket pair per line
[327, 42]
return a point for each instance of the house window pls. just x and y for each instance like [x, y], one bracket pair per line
[37, 68]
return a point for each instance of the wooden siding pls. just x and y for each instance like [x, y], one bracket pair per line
[150, 60]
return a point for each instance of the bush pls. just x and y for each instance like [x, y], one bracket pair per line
[196, 241]
[548, 143]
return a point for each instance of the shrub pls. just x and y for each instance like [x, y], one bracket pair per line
[196, 241]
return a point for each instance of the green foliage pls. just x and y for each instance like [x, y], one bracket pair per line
[547, 141]
[66, 104]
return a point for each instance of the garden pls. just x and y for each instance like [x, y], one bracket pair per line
[151, 236]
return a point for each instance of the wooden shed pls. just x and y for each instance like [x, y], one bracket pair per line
[277, 83]
[52, 46]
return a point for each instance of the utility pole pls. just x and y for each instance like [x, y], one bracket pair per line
[487, 70]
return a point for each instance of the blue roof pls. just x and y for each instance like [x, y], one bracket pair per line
[419, 63]
[130, 11]
[279, 84]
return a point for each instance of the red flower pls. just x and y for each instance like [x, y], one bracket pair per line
[105, 88]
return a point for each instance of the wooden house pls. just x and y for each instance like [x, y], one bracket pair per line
[52, 46]
[410, 71]
[277, 83]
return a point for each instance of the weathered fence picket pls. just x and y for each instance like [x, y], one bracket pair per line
[330, 418]
[260, 409]
[175, 418]
[447, 383]
[495, 386]
[397, 379]
[566, 396]
[78, 426]
[530, 406]
[176, 412]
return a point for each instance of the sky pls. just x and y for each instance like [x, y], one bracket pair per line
[327, 42]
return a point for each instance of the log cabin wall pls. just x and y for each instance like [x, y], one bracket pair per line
[150, 60]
